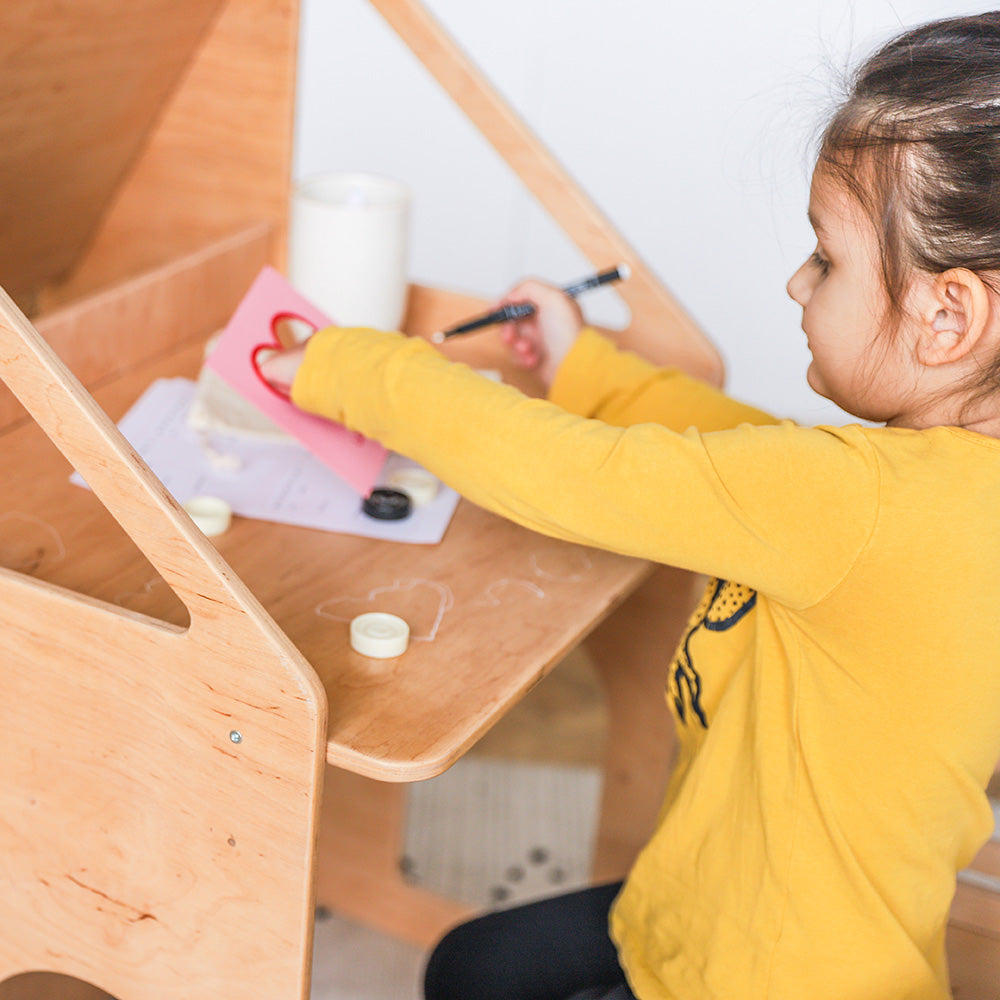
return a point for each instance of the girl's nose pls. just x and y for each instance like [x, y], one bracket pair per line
[799, 286]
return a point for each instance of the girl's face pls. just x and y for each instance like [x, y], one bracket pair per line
[856, 363]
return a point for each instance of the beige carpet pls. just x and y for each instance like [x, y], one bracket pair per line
[486, 832]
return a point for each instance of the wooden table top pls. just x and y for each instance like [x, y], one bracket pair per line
[491, 608]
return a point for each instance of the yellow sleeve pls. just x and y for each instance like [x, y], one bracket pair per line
[597, 379]
[781, 508]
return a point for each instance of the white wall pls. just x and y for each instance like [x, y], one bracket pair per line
[690, 125]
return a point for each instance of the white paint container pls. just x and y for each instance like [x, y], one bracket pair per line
[348, 247]
[212, 514]
[379, 635]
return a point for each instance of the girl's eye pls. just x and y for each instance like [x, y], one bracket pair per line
[820, 263]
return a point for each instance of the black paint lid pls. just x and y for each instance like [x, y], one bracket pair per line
[387, 505]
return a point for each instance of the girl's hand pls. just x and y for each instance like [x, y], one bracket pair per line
[541, 341]
[278, 368]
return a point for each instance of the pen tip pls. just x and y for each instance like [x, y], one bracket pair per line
[437, 337]
[624, 272]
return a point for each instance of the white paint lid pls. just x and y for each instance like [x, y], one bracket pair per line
[212, 514]
[379, 634]
[417, 483]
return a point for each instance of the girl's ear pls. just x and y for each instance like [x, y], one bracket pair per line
[956, 313]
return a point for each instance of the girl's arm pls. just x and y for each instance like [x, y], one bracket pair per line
[761, 505]
[596, 379]
[585, 373]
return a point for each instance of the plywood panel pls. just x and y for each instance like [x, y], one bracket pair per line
[219, 159]
[82, 85]
[113, 330]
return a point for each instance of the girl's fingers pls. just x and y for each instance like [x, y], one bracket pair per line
[521, 340]
[526, 353]
[279, 369]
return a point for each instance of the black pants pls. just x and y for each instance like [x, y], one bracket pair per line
[554, 949]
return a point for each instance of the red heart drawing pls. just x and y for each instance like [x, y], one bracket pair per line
[283, 329]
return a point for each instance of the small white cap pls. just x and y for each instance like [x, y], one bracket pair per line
[379, 635]
[212, 514]
[420, 485]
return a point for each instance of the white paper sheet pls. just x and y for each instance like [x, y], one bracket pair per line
[270, 481]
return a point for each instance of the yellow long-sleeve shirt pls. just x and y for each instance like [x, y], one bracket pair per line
[838, 691]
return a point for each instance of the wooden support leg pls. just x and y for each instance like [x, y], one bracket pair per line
[358, 873]
[632, 651]
[974, 962]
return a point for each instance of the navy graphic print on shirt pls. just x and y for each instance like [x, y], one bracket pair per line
[723, 606]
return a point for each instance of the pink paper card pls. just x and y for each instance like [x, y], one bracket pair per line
[271, 306]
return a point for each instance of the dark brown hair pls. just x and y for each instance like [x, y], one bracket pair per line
[917, 143]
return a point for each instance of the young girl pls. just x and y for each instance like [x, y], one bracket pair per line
[837, 693]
